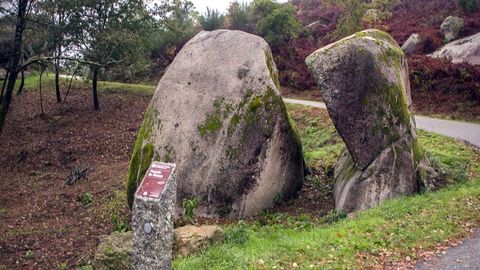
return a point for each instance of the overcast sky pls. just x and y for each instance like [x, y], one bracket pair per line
[221, 5]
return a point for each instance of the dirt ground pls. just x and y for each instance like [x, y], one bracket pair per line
[43, 223]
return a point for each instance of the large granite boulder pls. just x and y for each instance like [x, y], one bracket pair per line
[217, 113]
[411, 44]
[364, 82]
[465, 50]
[451, 27]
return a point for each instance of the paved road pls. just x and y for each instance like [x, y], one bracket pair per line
[461, 130]
[462, 257]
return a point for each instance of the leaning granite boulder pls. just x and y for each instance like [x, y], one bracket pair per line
[364, 82]
[411, 44]
[451, 27]
[190, 239]
[465, 50]
[217, 113]
[114, 252]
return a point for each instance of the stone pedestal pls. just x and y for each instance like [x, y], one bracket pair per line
[153, 217]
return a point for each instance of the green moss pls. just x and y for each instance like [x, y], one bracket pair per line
[270, 64]
[294, 128]
[392, 57]
[418, 152]
[234, 121]
[378, 35]
[398, 103]
[212, 124]
[231, 152]
[142, 155]
[167, 153]
[214, 120]
[349, 170]
[251, 115]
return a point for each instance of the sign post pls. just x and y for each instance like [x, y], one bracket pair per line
[153, 216]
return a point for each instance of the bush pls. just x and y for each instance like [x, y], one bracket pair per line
[351, 20]
[238, 17]
[279, 26]
[469, 6]
[212, 20]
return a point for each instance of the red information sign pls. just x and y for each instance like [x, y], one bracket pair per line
[155, 179]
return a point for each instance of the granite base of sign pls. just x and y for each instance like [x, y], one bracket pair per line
[153, 217]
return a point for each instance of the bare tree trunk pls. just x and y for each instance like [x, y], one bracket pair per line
[57, 80]
[15, 59]
[94, 88]
[70, 84]
[40, 89]
[22, 83]
[3, 86]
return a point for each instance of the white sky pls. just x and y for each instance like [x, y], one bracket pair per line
[221, 5]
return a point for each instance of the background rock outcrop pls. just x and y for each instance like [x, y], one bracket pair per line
[218, 115]
[364, 82]
[451, 27]
[411, 44]
[465, 50]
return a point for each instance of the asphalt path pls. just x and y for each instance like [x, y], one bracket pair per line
[468, 132]
[465, 256]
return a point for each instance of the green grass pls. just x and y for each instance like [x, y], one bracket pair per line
[398, 227]
[48, 84]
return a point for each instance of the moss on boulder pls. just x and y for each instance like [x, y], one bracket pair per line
[142, 155]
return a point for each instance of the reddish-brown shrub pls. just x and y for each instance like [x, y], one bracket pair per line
[441, 76]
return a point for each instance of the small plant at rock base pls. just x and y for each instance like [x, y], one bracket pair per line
[334, 216]
[189, 205]
[120, 224]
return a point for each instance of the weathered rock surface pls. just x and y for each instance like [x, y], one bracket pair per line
[114, 252]
[364, 82]
[465, 50]
[451, 27]
[411, 44]
[218, 115]
[190, 239]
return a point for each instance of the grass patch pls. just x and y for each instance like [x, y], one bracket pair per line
[48, 84]
[322, 145]
[398, 227]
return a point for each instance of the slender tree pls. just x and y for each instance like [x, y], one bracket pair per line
[23, 9]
